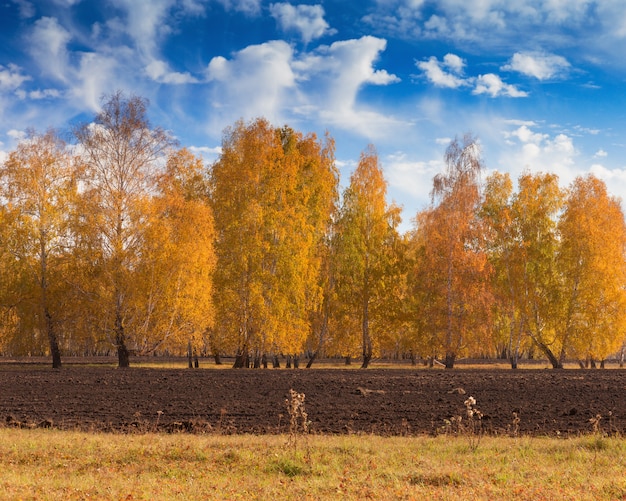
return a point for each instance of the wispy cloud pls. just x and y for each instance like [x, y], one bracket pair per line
[248, 7]
[11, 78]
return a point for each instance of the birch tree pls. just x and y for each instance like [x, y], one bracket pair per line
[452, 274]
[593, 269]
[272, 196]
[366, 235]
[38, 185]
[122, 153]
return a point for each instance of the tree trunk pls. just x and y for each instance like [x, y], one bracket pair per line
[366, 361]
[554, 361]
[367, 340]
[449, 360]
[348, 360]
[240, 360]
[276, 362]
[189, 355]
[218, 359]
[296, 361]
[123, 356]
[264, 361]
[55, 351]
[311, 360]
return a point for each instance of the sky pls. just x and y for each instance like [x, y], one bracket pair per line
[540, 83]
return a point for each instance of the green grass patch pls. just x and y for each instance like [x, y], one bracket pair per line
[50, 464]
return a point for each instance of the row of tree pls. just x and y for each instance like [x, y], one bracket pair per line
[121, 240]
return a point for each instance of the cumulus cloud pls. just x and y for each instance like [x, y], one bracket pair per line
[601, 154]
[254, 82]
[541, 152]
[446, 73]
[338, 72]
[307, 20]
[538, 65]
[492, 85]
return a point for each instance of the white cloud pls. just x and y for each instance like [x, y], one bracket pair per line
[26, 8]
[493, 85]
[540, 152]
[614, 178]
[538, 65]
[16, 135]
[98, 75]
[308, 20]
[255, 82]
[248, 7]
[601, 154]
[38, 94]
[47, 44]
[206, 151]
[145, 23]
[11, 77]
[159, 71]
[66, 3]
[412, 177]
[434, 71]
[337, 73]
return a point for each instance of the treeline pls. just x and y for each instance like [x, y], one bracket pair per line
[120, 240]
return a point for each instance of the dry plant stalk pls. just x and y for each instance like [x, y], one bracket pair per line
[298, 418]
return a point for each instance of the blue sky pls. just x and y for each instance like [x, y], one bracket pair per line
[540, 82]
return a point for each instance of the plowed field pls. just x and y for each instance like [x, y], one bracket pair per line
[379, 401]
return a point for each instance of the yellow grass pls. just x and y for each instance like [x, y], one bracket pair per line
[50, 465]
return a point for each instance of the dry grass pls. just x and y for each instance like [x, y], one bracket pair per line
[50, 465]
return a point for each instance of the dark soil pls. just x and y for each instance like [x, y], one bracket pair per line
[379, 401]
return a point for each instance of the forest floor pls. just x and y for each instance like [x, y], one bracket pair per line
[390, 401]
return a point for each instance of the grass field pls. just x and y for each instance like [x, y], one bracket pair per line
[50, 465]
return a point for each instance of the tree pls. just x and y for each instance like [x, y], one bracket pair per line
[272, 196]
[38, 186]
[593, 270]
[173, 287]
[505, 250]
[366, 236]
[537, 281]
[121, 152]
[452, 272]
